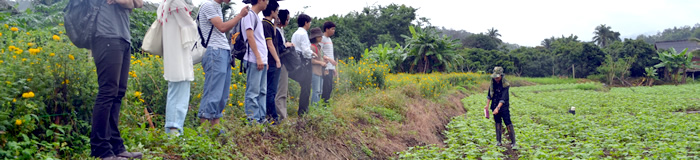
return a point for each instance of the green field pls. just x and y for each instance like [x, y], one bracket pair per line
[622, 123]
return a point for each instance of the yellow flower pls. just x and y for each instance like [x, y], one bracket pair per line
[52, 54]
[60, 24]
[14, 100]
[351, 58]
[142, 101]
[71, 57]
[56, 37]
[30, 44]
[66, 81]
[28, 95]
[18, 51]
[199, 95]
[235, 86]
[14, 29]
[28, 34]
[1, 61]
[137, 94]
[157, 56]
[24, 59]
[240, 104]
[0, 34]
[34, 51]
[230, 95]
[230, 105]
[60, 32]
[14, 57]
[7, 26]
[18, 122]
[29, 79]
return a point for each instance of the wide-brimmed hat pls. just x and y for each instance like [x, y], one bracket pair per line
[315, 32]
[497, 72]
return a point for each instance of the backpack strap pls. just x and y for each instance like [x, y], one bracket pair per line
[204, 44]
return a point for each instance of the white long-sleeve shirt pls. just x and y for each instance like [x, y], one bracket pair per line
[301, 42]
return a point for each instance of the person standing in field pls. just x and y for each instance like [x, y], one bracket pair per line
[112, 54]
[256, 64]
[498, 100]
[283, 83]
[273, 72]
[318, 64]
[300, 39]
[330, 72]
[216, 60]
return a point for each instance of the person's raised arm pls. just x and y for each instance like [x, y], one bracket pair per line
[228, 25]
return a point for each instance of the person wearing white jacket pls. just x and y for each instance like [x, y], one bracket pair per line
[182, 34]
[174, 15]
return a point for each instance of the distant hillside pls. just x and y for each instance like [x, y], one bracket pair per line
[675, 33]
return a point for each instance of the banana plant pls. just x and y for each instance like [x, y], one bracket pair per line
[675, 63]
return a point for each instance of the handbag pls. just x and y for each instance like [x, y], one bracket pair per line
[291, 59]
[153, 40]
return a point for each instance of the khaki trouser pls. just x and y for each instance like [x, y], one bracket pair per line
[281, 98]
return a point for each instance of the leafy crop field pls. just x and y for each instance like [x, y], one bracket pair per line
[622, 123]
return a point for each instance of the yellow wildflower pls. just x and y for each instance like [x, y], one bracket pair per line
[230, 95]
[14, 100]
[240, 104]
[137, 94]
[14, 29]
[34, 51]
[28, 95]
[52, 54]
[28, 34]
[18, 122]
[18, 51]
[60, 24]
[24, 59]
[7, 26]
[142, 101]
[351, 58]
[30, 44]
[29, 79]
[60, 32]
[199, 95]
[230, 105]
[0, 34]
[1, 61]
[71, 57]
[56, 37]
[235, 86]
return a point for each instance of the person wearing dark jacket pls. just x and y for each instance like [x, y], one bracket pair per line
[498, 93]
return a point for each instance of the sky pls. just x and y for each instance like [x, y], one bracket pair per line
[526, 22]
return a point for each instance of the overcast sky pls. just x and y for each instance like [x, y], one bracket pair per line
[527, 22]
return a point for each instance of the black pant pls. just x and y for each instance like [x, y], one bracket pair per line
[503, 114]
[327, 85]
[303, 76]
[112, 59]
[273, 77]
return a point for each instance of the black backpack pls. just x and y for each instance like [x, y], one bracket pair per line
[80, 21]
[240, 46]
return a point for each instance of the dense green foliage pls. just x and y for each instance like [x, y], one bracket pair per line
[634, 123]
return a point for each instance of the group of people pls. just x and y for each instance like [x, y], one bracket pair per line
[267, 76]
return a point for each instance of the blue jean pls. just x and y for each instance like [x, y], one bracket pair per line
[256, 92]
[273, 77]
[217, 80]
[177, 105]
[316, 82]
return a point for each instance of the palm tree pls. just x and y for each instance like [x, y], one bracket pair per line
[430, 52]
[547, 43]
[493, 33]
[604, 35]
